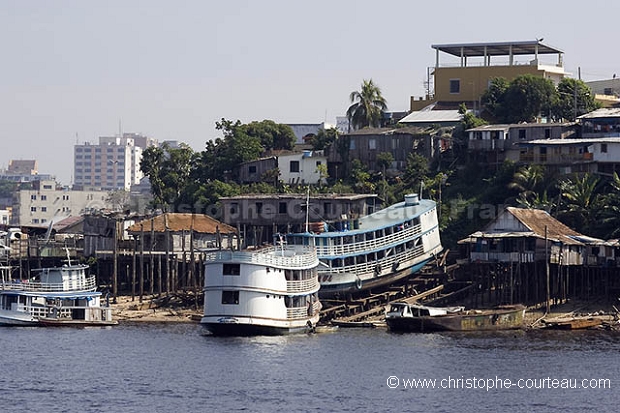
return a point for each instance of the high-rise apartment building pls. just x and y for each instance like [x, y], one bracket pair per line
[112, 164]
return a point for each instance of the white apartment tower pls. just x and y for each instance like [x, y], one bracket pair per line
[112, 164]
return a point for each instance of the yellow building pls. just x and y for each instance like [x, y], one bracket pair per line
[463, 72]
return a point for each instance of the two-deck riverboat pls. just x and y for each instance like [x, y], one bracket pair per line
[269, 291]
[63, 295]
[374, 250]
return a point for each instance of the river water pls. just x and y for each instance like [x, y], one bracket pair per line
[180, 368]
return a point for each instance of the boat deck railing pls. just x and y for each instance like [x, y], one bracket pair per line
[371, 266]
[395, 238]
[88, 283]
[302, 286]
[297, 313]
[290, 256]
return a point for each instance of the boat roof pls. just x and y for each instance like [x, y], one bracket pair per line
[52, 294]
[392, 215]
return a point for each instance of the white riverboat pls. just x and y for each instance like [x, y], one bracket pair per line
[268, 291]
[374, 250]
[63, 295]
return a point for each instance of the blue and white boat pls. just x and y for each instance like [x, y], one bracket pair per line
[374, 250]
[63, 295]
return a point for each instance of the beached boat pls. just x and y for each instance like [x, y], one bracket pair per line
[402, 316]
[374, 250]
[574, 323]
[269, 291]
[63, 295]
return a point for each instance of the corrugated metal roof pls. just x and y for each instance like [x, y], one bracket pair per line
[570, 141]
[183, 222]
[602, 113]
[527, 47]
[430, 116]
[535, 220]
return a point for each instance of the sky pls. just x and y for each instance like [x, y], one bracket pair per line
[72, 71]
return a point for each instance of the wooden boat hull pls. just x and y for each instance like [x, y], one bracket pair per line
[574, 323]
[501, 318]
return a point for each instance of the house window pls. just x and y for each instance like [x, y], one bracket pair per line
[282, 207]
[43, 197]
[352, 145]
[521, 134]
[294, 166]
[33, 197]
[33, 209]
[233, 208]
[259, 207]
[230, 297]
[318, 163]
[547, 133]
[372, 144]
[252, 169]
[231, 269]
[455, 86]
[603, 148]
[43, 209]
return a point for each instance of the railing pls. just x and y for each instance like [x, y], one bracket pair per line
[291, 256]
[302, 286]
[86, 284]
[384, 263]
[296, 313]
[369, 245]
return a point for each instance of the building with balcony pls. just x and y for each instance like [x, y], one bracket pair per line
[494, 144]
[592, 155]
[463, 71]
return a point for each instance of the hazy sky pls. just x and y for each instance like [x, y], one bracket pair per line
[71, 71]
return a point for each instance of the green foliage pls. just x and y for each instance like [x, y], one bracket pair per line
[324, 139]
[271, 135]
[527, 97]
[384, 161]
[170, 172]
[360, 178]
[368, 106]
[574, 99]
[416, 170]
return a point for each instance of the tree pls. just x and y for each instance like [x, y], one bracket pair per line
[528, 97]
[580, 201]
[151, 165]
[574, 98]
[324, 139]
[527, 181]
[416, 171]
[384, 161]
[368, 106]
[493, 98]
[272, 135]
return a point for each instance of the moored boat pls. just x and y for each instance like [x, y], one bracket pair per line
[63, 295]
[269, 291]
[374, 250]
[404, 317]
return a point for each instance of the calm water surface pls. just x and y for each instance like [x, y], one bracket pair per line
[179, 368]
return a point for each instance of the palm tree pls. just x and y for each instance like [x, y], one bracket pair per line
[581, 201]
[368, 106]
[527, 181]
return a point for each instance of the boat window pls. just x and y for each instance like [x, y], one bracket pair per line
[230, 297]
[231, 269]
